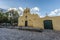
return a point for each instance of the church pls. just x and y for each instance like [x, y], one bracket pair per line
[34, 21]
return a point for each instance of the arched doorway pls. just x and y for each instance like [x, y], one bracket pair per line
[26, 23]
[48, 24]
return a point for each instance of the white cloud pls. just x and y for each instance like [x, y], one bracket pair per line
[42, 16]
[20, 11]
[56, 12]
[35, 10]
[12, 9]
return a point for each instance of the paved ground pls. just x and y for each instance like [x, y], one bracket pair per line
[14, 34]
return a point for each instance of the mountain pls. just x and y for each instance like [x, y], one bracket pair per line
[3, 10]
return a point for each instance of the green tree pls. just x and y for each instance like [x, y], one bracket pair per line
[13, 16]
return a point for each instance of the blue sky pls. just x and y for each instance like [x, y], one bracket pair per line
[45, 6]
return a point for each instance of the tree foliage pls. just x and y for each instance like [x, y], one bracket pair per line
[9, 17]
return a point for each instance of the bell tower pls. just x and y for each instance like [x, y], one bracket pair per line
[26, 11]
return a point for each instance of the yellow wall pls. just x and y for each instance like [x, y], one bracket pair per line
[55, 22]
[35, 21]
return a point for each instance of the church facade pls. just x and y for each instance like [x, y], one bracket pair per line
[33, 20]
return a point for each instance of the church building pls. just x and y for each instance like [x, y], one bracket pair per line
[33, 20]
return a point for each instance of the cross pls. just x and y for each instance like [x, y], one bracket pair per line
[46, 14]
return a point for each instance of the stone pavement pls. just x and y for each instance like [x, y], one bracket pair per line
[16, 34]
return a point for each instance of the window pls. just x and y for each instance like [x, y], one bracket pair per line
[25, 16]
[22, 20]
